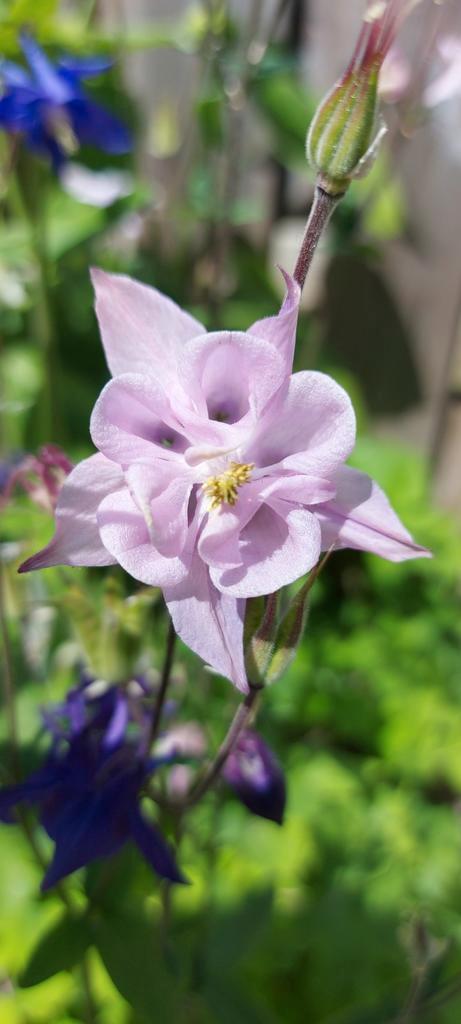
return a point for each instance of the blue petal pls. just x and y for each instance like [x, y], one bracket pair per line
[40, 784]
[115, 731]
[14, 115]
[95, 126]
[87, 829]
[85, 67]
[14, 75]
[153, 847]
[40, 140]
[51, 85]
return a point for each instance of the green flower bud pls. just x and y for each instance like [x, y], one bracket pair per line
[344, 129]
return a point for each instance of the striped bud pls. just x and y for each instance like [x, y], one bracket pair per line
[344, 128]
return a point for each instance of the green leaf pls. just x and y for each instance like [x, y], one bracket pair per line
[130, 948]
[290, 631]
[60, 949]
[26, 12]
[260, 647]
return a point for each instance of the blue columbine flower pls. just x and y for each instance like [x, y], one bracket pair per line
[256, 777]
[88, 789]
[49, 107]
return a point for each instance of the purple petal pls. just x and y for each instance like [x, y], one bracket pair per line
[50, 83]
[230, 375]
[153, 847]
[94, 126]
[142, 331]
[77, 540]
[87, 828]
[125, 534]
[133, 419]
[162, 495]
[313, 431]
[85, 67]
[277, 547]
[210, 623]
[280, 330]
[256, 777]
[361, 517]
[118, 722]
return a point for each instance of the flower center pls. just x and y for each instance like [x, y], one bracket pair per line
[224, 489]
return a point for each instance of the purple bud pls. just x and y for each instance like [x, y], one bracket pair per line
[256, 777]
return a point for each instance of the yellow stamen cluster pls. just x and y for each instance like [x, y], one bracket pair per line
[224, 489]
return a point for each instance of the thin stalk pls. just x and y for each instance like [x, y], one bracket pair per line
[33, 208]
[90, 1006]
[443, 399]
[321, 210]
[242, 718]
[164, 682]
[8, 684]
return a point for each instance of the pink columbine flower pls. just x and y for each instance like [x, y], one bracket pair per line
[220, 474]
[40, 476]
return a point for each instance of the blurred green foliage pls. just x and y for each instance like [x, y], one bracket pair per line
[351, 912]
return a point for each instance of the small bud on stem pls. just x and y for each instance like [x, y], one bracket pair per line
[343, 137]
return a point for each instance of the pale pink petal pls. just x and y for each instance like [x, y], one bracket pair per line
[219, 539]
[299, 488]
[313, 432]
[210, 623]
[230, 375]
[126, 535]
[142, 330]
[77, 540]
[277, 547]
[162, 495]
[133, 419]
[448, 82]
[361, 517]
[280, 330]
[219, 543]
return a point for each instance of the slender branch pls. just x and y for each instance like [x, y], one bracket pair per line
[33, 197]
[444, 396]
[90, 1007]
[242, 718]
[8, 684]
[164, 683]
[321, 211]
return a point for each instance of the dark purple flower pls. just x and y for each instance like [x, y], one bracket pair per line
[256, 777]
[87, 791]
[49, 107]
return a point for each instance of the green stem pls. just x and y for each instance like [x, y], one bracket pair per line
[241, 720]
[164, 682]
[8, 683]
[90, 1005]
[33, 203]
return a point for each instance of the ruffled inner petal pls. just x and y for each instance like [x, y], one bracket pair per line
[277, 546]
[133, 419]
[126, 536]
[313, 431]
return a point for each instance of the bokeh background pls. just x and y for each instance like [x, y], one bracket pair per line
[351, 912]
